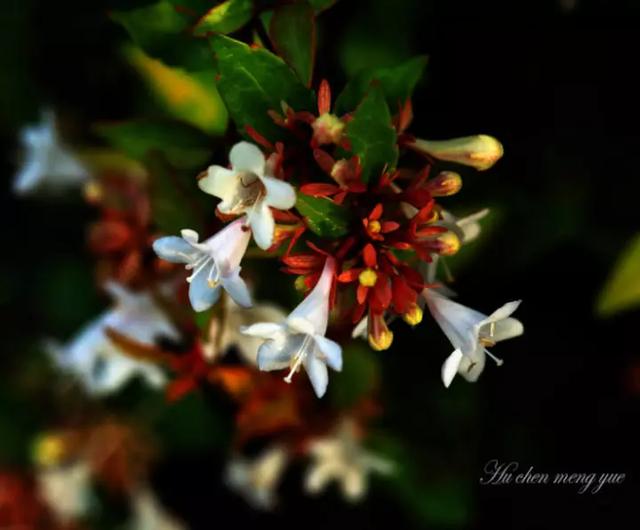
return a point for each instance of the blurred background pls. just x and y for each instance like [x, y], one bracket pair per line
[555, 81]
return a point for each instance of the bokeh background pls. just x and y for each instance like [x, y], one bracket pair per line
[556, 82]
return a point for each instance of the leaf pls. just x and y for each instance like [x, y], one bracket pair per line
[254, 81]
[397, 84]
[323, 216]
[184, 146]
[190, 96]
[175, 201]
[292, 31]
[359, 376]
[161, 30]
[372, 137]
[321, 5]
[224, 18]
[622, 289]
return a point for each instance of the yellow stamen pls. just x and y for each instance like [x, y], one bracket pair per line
[374, 226]
[413, 317]
[382, 341]
[368, 278]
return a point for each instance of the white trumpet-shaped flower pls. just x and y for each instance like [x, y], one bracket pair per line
[100, 366]
[341, 457]
[257, 480]
[299, 340]
[47, 162]
[215, 263]
[249, 188]
[470, 333]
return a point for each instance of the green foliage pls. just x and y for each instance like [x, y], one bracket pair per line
[622, 289]
[254, 81]
[184, 146]
[176, 202]
[323, 216]
[321, 5]
[161, 30]
[372, 136]
[397, 83]
[224, 18]
[189, 96]
[359, 376]
[292, 30]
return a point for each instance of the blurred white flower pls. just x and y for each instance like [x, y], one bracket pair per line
[340, 457]
[215, 263]
[99, 364]
[47, 163]
[248, 188]
[299, 340]
[66, 490]
[148, 514]
[257, 480]
[470, 333]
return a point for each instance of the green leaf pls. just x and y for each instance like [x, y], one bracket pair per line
[622, 289]
[184, 146]
[162, 30]
[358, 377]
[254, 81]
[397, 84]
[324, 217]
[224, 18]
[189, 96]
[372, 136]
[321, 5]
[176, 202]
[292, 30]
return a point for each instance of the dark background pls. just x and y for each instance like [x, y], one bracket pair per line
[556, 83]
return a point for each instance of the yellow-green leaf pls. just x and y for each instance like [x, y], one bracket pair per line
[323, 216]
[224, 18]
[190, 96]
[622, 289]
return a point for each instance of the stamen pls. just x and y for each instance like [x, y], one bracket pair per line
[497, 360]
[299, 357]
[211, 281]
[202, 263]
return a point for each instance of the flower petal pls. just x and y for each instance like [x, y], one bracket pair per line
[331, 351]
[247, 157]
[450, 367]
[201, 295]
[174, 249]
[262, 224]
[219, 182]
[507, 329]
[280, 194]
[472, 366]
[263, 330]
[273, 356]
[315, 307]
[228, 246]
[318, 374]
[237, 289]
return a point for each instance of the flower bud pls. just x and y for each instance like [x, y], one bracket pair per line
[49, 450]
[327, 129]
[447, 244]
[444, 184]
[480, 151]
[413, 317]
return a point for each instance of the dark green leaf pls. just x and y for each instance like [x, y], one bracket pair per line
[358, 377]
[176, 202]
[321, 5]
[372, 136]
[292, 30]
[254, 81]
[226, 17]
[397, 84]
[184, 146]
[161, 30]
[324, 217]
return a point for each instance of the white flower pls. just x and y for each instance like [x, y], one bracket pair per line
[97, 362]
[470, 332]
[66, 490]
[226, 334]
[341, 458]
[300, 340]
[257, 480]
[215, 263]
[148, 514]
[47, 162]
[248, 188]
